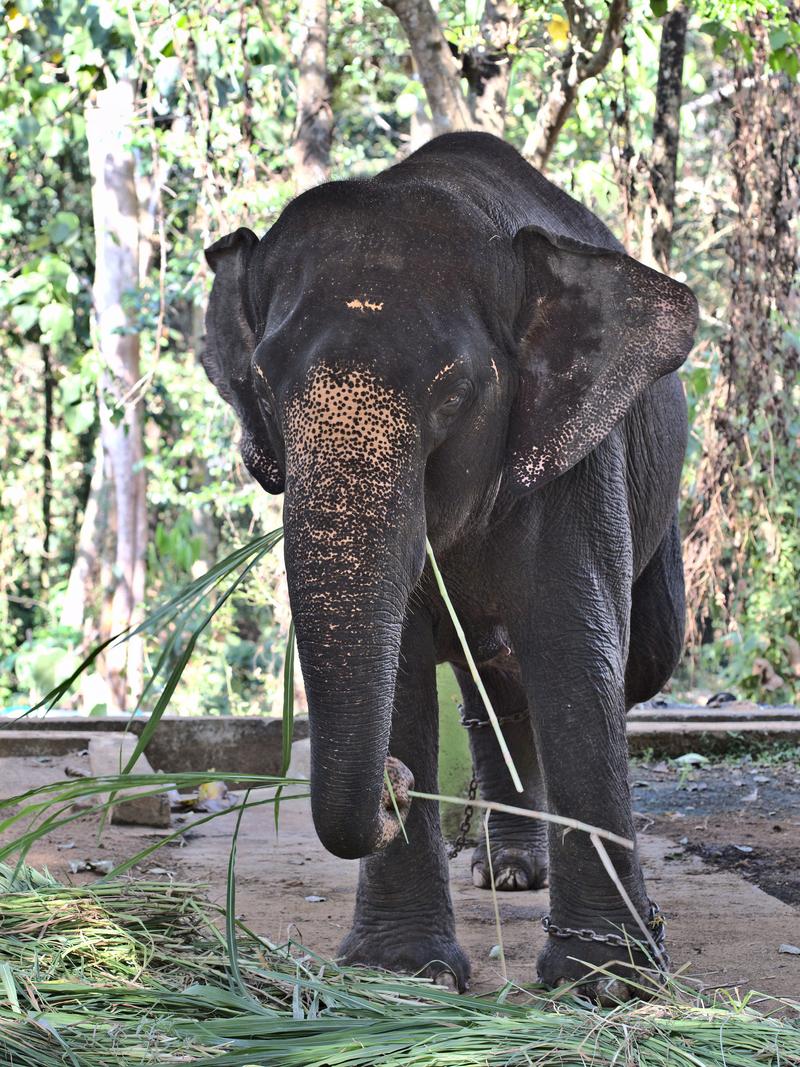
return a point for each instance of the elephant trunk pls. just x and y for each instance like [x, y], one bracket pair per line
[354, 544]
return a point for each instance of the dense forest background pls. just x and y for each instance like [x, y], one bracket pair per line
[134, 135]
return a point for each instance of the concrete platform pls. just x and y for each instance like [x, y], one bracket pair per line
[253, 745]
[248, 745]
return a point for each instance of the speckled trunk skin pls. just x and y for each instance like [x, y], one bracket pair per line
[352, 501]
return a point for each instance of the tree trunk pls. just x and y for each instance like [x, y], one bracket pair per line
[47, 465]
[581, 62]
[552, 115]
[115, 208]
[438, 69]
[488, 67]
[312, 146]
[666, 133]
[738, 543]
[83, 573]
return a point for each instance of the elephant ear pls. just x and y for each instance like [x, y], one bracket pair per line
[596, 329]
[230, 343]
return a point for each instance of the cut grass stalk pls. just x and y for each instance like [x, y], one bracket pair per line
[528, 813]
[495, 905]
[473, 670]
[605, 859]
[117, 974]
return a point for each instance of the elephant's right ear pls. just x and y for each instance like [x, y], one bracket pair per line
[230, 343]
[230, 332]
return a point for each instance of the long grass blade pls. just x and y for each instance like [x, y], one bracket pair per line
[182, 603]
[230, 906]
[528, 813]
[177, 671]
[287, 725]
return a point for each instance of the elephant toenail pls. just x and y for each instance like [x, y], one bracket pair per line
[512, 878]
[479, 877]
[446, 980]
[612, 992]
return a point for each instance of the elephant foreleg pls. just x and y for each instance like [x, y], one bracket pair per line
[404, 916]
[518, 845]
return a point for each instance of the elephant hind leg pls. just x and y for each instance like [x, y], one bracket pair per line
[518, 845]
[658, 609]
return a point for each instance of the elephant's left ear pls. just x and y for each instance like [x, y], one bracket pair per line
[596, 329]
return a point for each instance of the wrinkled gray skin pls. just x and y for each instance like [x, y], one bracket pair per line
[458, 348]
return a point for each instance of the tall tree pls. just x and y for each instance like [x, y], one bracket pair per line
[666, 134]
[488, 65]
[312, 145]
[115, 209]
[742, 551]
[438, 69]
[83, 573]
[584, 58]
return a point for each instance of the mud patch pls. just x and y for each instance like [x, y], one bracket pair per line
[773, 870]
[742, 817]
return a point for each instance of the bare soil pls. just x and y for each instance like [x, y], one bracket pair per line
[742, 817]
[728, 914]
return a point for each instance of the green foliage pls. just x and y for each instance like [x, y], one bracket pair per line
[217, 108]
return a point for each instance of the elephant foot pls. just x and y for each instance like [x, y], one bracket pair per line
[427, 955]
[514, 868]
[627, 973]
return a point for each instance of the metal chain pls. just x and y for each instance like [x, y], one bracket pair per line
[655, 924]
[476, 724]
[460, 842]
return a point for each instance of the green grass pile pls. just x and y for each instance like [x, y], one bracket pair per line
[140, 973]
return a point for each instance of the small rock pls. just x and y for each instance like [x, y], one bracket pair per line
[760, 778]
[697, 787]
[750, 797]
[214, 797]
[743, 848]
[718, 699]
[65, 845]
[691, 759]
[494, 952]
[684, 841]
[315, 900]
[789, 950]
[95, 866]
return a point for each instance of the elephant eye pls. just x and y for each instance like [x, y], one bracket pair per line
[453, 401]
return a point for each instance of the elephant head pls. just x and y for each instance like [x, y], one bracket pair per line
[397, 365]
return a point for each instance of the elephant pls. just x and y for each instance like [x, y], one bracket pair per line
[455, 349]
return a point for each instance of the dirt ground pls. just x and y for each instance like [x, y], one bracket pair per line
[742, 817]
[729, 909]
